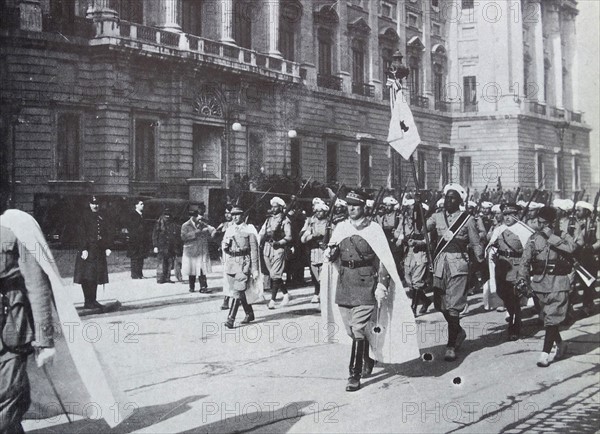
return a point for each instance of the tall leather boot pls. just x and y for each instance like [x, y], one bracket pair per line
[232, 313]
[247, 310]
[225, 305]
[368, 362]
[192, 281]
[276, 285]
[425, 300]
[356, 369]
[203, 282]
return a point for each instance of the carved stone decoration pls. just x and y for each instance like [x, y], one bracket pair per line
[207, 103]
[359, 27]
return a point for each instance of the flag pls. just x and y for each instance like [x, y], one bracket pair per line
[403, 135]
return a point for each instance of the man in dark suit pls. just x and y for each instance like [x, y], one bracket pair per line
[137, 240]
[93, 238]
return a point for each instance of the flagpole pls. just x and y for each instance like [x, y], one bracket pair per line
[421, 215]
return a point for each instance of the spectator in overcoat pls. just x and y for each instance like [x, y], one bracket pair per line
[137, 240]
[164, 239]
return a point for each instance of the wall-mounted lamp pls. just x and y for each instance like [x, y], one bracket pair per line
[292, 134]
[236, 126]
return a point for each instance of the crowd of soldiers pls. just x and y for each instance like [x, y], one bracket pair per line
[522, 251]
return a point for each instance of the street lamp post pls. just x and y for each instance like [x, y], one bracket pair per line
[562, 128]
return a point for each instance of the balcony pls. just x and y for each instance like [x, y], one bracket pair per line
[79, 26]
[419, 101]
[363, 89]
[557, 113]
[536, 107]
[329, 81]
[161, 42]
[575, 116]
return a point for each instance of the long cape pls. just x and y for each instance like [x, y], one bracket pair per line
[392, 330]
[78, 372]
[254, 292]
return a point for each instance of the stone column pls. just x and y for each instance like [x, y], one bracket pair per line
[273, 8]
[570, 53]
[343, 54]
[426, 62]
[169, 15]
[30, 15]
[555, 41]
[227, 21]
[374, 75]
[538, 58]
[106, 20]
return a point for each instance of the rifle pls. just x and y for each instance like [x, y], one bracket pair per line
[549, 201]
[480, 201]
[256, 202]
[329, 225]
[533, 195]
[593, 227]
[517, 194]
[377, 201]
[572, 216]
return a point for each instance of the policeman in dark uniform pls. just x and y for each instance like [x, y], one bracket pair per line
[363, 281]
[545, 269]
[94, 241]
[241, 264]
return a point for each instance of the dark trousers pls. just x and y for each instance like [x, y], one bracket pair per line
[164, 263]
[14, 394]
[90, 290]
[137, 265]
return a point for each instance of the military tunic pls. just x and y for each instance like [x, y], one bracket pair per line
[312, 234]
[451, 267]
[508, 258]
[548, 273]
[241, 259]
[26, 298]
[359, 273]
[275, 229]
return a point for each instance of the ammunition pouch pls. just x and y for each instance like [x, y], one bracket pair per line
[16, 317]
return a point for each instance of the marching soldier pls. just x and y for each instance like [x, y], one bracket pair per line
[340, 211]
[275, 235]
[588, 242]
[509, 240]
[456, 231]
[486, 216]
[312, 235]
[219, 233]
[363, 282]
[408, 234]
[240, 248]
[388, 221]
[546, 271]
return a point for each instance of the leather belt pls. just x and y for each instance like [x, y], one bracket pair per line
[356, 264]
[509, 254]
[239, 253]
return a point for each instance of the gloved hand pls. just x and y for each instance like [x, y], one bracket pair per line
[523, 289]
[156, 250]
[44, 356]
[84, 255]
[108, 252]
[380, 293]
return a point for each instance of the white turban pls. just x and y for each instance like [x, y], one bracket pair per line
[566, 205]
[390, 201]
[408, 202]
[458, 188]
[585, 205]
[317, 200]
[370, 203]
[535, 205]
[486, 204]
[522, 203]
[340, 202]
[496, 208]
[277, 201]
[472, 204]
[321, 206]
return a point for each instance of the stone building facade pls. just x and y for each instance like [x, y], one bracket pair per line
[178, 97]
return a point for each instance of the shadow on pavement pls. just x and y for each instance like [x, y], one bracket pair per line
[274, 420]
[141, 418]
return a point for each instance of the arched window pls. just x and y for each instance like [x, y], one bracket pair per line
[326, 21]
[358, 64]
[415, 73]
[289, 25]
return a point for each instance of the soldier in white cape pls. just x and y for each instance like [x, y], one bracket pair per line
[391, 332]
